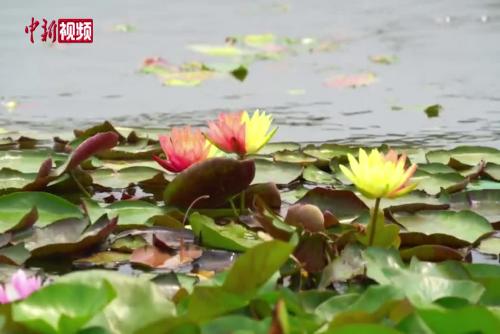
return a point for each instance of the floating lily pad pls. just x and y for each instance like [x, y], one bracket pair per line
[129, 212]
[483, 202]
[124, 177]
[28, 161]
[464, 225]
[316, 175]
[50, 208]
[233, 237]
[277, 172]
[295, 157]
[465, 155]
[68, 236]
[434, 183]
[326, 152]
[343, 204]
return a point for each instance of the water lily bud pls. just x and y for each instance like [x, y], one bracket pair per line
[307, 216]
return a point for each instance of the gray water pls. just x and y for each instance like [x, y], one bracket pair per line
[448, 53]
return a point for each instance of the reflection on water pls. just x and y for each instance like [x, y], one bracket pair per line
[447, 53]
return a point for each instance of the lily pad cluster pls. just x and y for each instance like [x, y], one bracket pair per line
[238, 53]
[272, 243]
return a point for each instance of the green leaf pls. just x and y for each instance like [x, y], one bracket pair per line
[277, 172]
[13, 207]
[63, 307]
[482, 202]
[119, 317]
[124, 177]
[433, 183]
[230, 237]
[343, 204]
[316, 175]
[421, 282]
[68, 236]
[469, 319]
[28, 161]
[129, 212]
[256, 266]
[363, 328]
[465, 155]
[234, 324]
[464, 225]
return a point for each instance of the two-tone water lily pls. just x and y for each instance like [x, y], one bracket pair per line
[377, 175]
[20, 287]
[241, 133]
[183, 147]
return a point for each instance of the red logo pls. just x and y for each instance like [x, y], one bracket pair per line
[65, 31]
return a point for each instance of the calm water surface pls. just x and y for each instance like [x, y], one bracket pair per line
[448, 53]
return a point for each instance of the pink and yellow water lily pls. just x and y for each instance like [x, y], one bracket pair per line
[184, 147]
[240, 132]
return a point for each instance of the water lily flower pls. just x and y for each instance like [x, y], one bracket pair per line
[20, 287]
[377, 175]
[241, 133]
[183, 148]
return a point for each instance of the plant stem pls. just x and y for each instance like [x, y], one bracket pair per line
[374, 222]
[79, 185]
[235, 211]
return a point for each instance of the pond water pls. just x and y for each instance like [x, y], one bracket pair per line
[448, 53]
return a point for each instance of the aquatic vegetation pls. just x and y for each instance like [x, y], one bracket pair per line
[241, 133]
[183, 148]
[380, 176]
[19, 287]
[283, 239]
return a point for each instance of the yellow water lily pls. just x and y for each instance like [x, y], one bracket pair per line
[241, 133]
[380, 176]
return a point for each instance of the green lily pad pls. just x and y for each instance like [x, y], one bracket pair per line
[464, 225]
[118, 316]
[129, 212]
[229, 237]
[28, 161]
[465, 155]
[124, 177]
[63, 307]
[68, 236]
[270, 148]
[316, 175]
[343, 204]
[11, 180]
[15, 206]
[493, 171]
[295, 157]
[276, 172]
[434, 183]
[326, 152]
[433, 168]
[468, 319]
[483, 202]
[421, 282]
